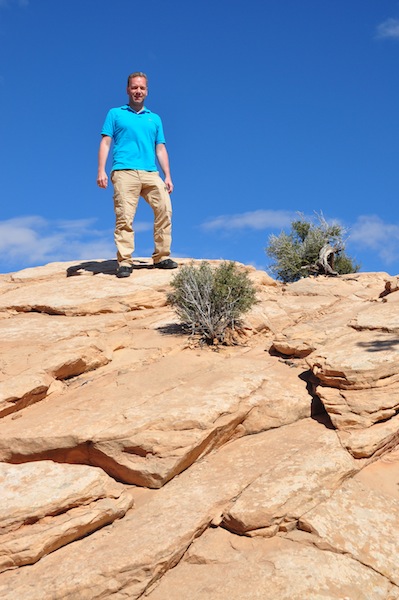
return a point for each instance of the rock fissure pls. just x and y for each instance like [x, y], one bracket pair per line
[324, 546]
[47, 310]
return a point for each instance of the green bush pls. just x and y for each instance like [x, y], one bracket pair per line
[211, 301]
[296, 253]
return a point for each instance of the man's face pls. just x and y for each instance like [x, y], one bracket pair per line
[137, 90]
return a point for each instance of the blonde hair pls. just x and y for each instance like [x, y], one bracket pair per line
[137, 74]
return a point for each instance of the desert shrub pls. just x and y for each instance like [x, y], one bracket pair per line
[211, 301]
[344, 264]
[295, 252]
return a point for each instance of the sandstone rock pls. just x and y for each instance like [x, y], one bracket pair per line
[21, 391]
[365, 529]
[303, 464]
[359, 409]
[316, 329]
[226, 432]
[311, 332]
[36, 519]
[382, 316]
[142, 429]
[105, 295]
[29, 367]
[125, 559]
[57, 270]
[268, 315]
[280, 404]
[357, 360]
[382, 475]
[287, 346]
[47, 330]
[354, 285]
[296, 305]
[220, 565]
[151, 539]
[38, 348]
[261, 278]
[372, 441]
[336, 316]
[282, 306]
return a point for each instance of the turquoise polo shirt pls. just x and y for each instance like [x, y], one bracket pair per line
[135, 136]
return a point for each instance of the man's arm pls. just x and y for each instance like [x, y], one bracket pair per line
[105, 145]
[163, 159]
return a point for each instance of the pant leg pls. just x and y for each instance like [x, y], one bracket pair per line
[127, 189]
[155, 193]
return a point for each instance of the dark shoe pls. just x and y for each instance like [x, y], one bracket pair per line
[123, 271]
[168, 263]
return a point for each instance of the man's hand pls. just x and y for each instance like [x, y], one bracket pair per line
[102, 179]
[169, 184]
[163, 160]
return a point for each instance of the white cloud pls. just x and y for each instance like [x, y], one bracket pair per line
[389, 29]
[33, 240]
[370, 232]
[257, 219]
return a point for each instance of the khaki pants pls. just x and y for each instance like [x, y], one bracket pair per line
[129, 185]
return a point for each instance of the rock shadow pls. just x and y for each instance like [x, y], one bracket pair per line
[379, 345]
[173, 329]
[106, 267]
[317, 409]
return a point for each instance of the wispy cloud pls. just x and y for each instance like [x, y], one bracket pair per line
[33, 240]
[388, 29]
[257, 219]
[370, 232]
[9, 3]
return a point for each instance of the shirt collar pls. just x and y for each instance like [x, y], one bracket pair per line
[143, 110]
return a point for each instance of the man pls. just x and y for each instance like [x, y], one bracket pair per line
[138, 142]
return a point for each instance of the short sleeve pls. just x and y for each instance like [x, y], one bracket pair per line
[160, 137]
[108, 127]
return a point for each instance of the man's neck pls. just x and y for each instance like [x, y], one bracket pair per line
[136, 107]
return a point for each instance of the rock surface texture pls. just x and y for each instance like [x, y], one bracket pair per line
[137, 463]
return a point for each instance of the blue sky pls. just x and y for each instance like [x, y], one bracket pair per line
[269, 108]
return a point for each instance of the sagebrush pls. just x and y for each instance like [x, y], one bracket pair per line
[295, 252]
[210, 301]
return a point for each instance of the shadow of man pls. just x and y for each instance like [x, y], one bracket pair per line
[107, 267]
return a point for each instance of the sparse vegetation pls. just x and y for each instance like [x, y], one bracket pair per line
[210, 301]
[297, 253]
